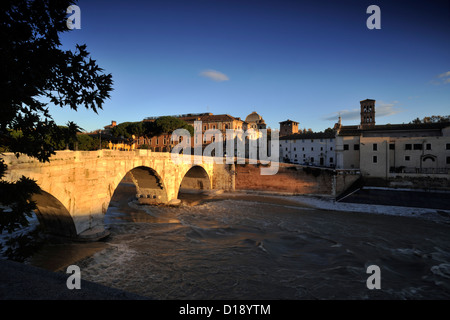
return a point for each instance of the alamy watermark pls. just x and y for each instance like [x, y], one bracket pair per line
[251, 146]
[74, 20]
[374, 21]
[373, 281]
[74, 280]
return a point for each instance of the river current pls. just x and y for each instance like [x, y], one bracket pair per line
[259, 248]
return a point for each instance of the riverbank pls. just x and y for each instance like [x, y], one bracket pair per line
[24, 282]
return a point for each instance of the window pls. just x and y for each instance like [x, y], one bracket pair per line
[303, 148]
[428, 146]
[331, 159]
[356, 147]
[312, 159]
[391, 146]
[331, 148]
[204, 127]
[286, 149]
[448, 160]
[304, 156]
[374, 159]
[375, 147]
[408, 146]
[321, 148]
[447, 146]
[312, 140]
[345, 146]
[407, 158]
[417, 146]
[296, 155]
[312, 148]
[295, 149]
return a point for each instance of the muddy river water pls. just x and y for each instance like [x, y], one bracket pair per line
[254, 247]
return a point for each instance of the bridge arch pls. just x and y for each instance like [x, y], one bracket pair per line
[195, 178]
[150, 186]
[53, 215]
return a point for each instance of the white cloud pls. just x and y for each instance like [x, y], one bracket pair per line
[386, 109]
[382, 109]
[444, 75]
[444, 78]
[214, 75]
[345, 114]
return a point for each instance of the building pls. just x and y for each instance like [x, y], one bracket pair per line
[209, 121]
[367, 113]
[311, 148]
[255, 121]
[384, 151]
[288, 127]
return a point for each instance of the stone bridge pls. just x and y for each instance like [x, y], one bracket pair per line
[77, 186]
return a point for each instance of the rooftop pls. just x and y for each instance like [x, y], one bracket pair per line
[357, 130]
[309, 135]
[288, 120]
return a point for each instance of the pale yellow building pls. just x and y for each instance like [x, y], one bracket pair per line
[385, 151]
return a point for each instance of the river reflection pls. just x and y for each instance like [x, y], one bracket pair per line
[241, 248]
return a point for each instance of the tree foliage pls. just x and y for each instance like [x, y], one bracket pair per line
[35, 69]
[432, 119]
[166, 124]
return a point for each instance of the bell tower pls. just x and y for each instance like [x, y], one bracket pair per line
[367, 113]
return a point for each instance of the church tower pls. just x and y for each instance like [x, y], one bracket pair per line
[367, 113]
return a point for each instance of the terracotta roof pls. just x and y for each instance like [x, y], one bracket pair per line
[218, 117]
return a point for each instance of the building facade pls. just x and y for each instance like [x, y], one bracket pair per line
[384, 151]
[314, 148]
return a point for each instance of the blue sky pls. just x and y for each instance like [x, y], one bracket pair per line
[302, 60]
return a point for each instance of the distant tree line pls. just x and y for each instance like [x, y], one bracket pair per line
[432, 119]
[161, 125]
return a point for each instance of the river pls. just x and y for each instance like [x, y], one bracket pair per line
[239, 246]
